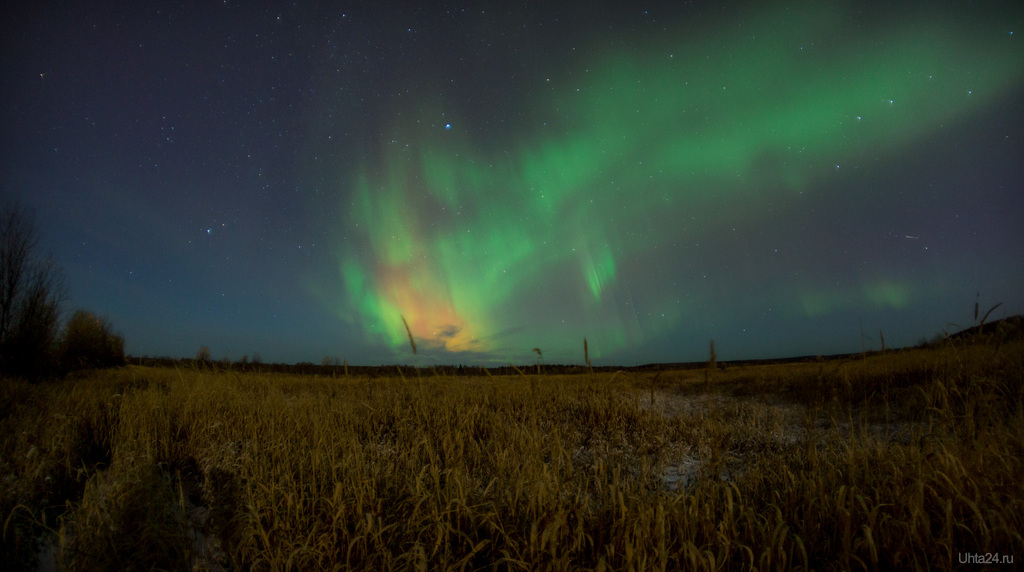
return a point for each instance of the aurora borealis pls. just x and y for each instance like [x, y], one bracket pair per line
[779, 178]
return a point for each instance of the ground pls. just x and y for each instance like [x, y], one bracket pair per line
[909, 458]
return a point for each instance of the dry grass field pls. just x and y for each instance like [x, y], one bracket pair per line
[911, 459]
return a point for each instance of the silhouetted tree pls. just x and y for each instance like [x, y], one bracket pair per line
[203, 355]
[89, 341]
[31, 291]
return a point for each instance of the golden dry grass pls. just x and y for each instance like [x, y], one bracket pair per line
[906, 460]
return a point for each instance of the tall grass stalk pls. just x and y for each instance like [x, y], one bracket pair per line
[412, 342]
[899, 461]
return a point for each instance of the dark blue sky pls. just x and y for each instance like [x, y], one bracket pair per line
[293, 180]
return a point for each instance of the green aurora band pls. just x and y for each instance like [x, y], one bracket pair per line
[474, 246]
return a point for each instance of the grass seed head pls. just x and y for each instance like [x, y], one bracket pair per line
[412, 342]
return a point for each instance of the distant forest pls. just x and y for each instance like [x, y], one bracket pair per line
[1004, 329]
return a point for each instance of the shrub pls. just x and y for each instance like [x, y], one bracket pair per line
[89, 342]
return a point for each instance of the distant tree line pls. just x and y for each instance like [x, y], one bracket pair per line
[332, 369]
[32, 290]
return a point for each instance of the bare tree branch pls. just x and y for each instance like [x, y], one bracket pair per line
[31, 291]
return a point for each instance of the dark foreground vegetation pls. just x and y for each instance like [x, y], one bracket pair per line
[909, 459]
[33, 345]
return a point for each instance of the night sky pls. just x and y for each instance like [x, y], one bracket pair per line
[293, 181]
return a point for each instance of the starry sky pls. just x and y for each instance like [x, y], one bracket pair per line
[293, 180]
